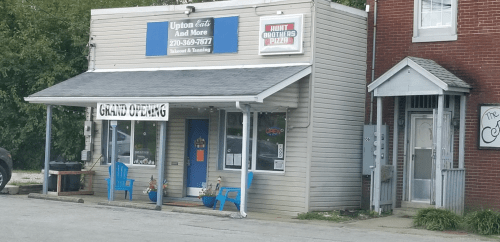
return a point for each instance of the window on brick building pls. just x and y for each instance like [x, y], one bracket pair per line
[435, 20]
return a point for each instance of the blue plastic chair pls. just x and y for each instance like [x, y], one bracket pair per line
[223, 195]
[121, 180]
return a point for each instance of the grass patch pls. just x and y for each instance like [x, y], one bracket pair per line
[484, 222]
[27, 171]
[24, 183]
[340, 215]
[437, 219]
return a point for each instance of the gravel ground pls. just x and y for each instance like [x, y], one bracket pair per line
[26, 178]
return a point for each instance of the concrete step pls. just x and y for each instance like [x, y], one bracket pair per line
[405, 204]
[23, 189]
[410, 209]
[27, 189]
[10, 189]
[405, 212]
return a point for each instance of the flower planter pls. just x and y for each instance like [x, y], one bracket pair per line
[152, 196]
[208, 201]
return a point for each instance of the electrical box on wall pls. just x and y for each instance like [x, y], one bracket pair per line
[369, 147]
[88, 128]
[85, 155]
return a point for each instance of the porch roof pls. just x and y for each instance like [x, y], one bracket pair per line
[417, 76]
[249, 84]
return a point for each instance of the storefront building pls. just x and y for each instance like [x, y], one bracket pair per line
[433, 84]
[288, 78]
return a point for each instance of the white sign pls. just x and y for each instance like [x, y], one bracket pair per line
[489, 126]
[280, 35]
[133, 111]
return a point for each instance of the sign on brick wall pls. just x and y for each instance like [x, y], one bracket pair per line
[489, 126]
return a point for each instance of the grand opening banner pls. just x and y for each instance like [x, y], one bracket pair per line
[133, 111]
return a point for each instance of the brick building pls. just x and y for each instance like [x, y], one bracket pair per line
[437, 64]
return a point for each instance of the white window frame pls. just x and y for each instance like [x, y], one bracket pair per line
[132, 147]
[434, 34]
[253, 168]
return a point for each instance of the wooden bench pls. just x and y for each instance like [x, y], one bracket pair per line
[88, 187]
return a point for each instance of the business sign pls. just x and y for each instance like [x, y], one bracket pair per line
[133, 111]
[280, 35]
[489, 126]
[191, 36]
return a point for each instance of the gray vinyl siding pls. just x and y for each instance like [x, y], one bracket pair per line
[121, 38]
[339, 73]
[286, 97]
[279, 193]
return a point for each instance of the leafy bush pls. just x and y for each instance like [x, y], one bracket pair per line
[437, 219]
[484, 222]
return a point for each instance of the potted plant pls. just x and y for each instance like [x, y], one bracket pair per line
[152, 189]
[207, 195]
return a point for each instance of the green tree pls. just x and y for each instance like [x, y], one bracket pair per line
[352, 3]
[43, 42]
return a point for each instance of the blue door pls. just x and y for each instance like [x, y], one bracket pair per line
[197, 149]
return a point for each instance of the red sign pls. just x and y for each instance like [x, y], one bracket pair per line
[273, 131]
[279, 34]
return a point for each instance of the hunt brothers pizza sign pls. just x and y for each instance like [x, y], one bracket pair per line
[280, 35]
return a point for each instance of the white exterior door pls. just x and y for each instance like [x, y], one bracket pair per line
[421, 152]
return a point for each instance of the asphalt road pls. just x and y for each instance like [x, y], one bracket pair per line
[25, 219]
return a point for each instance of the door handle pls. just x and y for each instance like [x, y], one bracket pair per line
[189, 161]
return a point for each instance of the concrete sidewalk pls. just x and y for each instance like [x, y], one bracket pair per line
[393, 224]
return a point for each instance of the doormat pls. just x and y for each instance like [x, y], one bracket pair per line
[182, 204]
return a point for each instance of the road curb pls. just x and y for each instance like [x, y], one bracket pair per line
[202, 211]
[130, 205]
[55, 198]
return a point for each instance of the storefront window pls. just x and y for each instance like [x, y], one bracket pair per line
[234, 137]
[270, 145]
[144, 143]
[143, 135]
[271, 141]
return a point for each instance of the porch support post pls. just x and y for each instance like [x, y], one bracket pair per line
[48, 132]
[439, 145]
[111, 195]
[377, 179]
[161, 163]
[461, 141]
[395, 151]
[244, 156]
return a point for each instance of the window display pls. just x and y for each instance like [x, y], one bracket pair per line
[133, 137]
[270, 145]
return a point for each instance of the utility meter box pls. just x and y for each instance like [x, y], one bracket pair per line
[88, 128]
[369, 147]
[86, 155]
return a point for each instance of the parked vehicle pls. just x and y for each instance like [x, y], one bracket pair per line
[5, 167]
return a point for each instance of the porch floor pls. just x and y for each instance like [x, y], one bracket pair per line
[186, 204]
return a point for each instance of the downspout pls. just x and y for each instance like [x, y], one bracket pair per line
[244, 157]
[373, 57]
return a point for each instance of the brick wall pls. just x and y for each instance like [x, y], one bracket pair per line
[474, 57]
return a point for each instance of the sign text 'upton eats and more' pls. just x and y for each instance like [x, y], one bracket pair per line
[191, 36]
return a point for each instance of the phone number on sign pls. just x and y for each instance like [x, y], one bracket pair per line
[189, 42]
